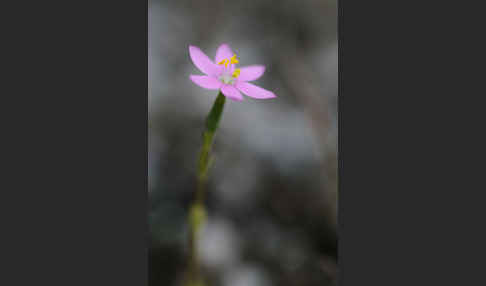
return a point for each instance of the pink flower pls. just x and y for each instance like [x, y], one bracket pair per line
[222, 74]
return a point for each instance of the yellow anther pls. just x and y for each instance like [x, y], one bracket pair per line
[236, 73]
[225, 62]
[234, 60]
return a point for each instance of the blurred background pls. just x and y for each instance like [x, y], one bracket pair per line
[272, 190]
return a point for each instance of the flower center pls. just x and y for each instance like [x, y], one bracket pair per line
[226, 78]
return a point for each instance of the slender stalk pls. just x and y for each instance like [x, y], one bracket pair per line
[197, 215]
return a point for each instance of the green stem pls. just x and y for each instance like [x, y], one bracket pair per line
[197, 215]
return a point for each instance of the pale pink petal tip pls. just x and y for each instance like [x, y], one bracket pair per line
[206, 82]
[223, 52]
[250, 73]
[254, 91]
[202, 62]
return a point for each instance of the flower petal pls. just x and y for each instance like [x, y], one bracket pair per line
[231, 92]
[224, 52]
[206, 81]
[254, 91]
[202, 62]
[250, 73]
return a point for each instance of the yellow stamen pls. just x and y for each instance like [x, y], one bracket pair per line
[234, 60]
[236, 73]
[225, 62]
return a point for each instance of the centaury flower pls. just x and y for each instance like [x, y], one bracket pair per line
[222, 74]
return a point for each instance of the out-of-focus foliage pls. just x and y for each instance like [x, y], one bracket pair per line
[273, 185]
